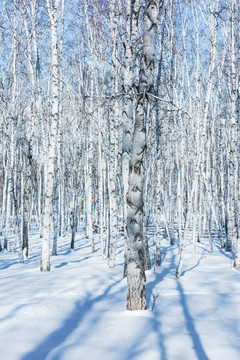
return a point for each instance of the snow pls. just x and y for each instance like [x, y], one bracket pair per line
[77, 310]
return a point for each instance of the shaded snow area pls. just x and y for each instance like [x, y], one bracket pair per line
[77, 310]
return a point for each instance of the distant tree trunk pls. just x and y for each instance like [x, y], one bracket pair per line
[100, 184]
[57, 208]
[3, 214]
[73, 227]
[113, 139]
[233, 231]
[30, 35]
[51, 155]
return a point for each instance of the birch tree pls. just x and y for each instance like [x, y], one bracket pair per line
[136, 299]
[113, 113]
[49, 164]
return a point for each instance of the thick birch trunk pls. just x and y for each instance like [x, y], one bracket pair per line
[136, 299]
[128, 102]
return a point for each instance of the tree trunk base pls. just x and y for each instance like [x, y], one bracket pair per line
[158, 256]
[136, 298]
[111, 263]
[236, 265]
[228, 247]
[45, 267]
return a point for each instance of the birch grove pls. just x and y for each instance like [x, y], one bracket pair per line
[120, 119]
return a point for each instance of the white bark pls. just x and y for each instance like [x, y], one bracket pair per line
[136, 299]
[113, 140]
[51, 155]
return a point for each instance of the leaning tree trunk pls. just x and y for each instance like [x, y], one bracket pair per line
[136, 299]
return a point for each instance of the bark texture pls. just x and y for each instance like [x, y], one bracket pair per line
[136, 299]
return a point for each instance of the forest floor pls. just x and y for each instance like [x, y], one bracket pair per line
[77, 310]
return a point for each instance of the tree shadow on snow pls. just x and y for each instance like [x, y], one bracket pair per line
[65, 263]
[68, 251]
[8, 265]
[12, 314]
[160, 275]
[151, 294]
[223, 251]
[57, 337]
[193, 267]
[197, 345]
[61, 265]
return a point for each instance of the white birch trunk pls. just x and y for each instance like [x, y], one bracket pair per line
[112, 141]
[51, 155]
[136, 299]
[232, 154]
[100, 183]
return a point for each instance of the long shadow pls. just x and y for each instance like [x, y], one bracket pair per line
[197, 345]
[61, 265]
[69, 251]
[58, 336]
[9, 265]
[80, 260]
[223, 251]
[131, 352]
[150, 286]
[135, 351]
[12, 314]
[161, 338]
[193, 267]
[160, 276]
[71, 262]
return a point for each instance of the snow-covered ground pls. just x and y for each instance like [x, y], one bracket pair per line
[77, 310]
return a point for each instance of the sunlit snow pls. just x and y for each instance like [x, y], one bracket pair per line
[77, 310]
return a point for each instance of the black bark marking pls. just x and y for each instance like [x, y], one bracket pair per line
[135, 188]
[130, 203]
[133, 221]
[137, 167]
[139, 210]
